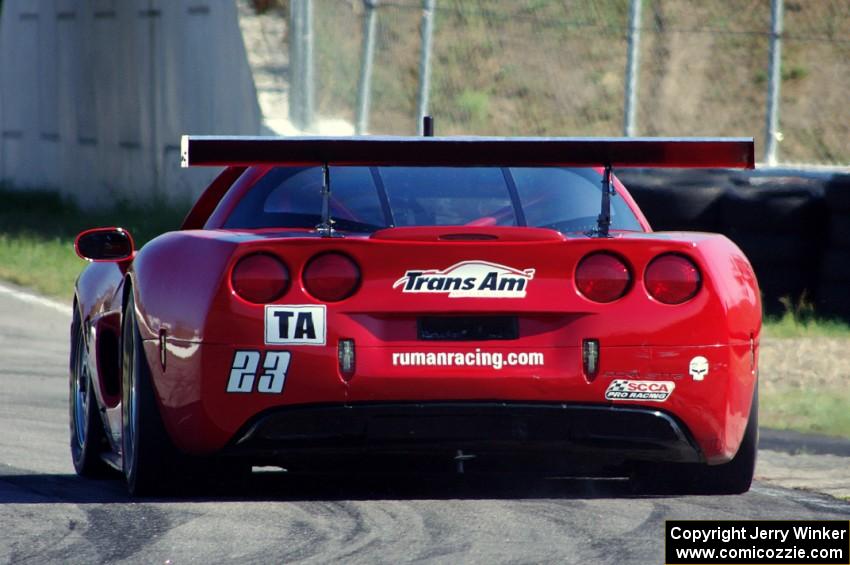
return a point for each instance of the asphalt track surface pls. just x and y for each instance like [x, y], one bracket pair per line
[48, 515]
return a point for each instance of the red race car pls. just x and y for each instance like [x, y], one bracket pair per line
[461, 303]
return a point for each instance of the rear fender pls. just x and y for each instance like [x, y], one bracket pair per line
[175, 278]
[735, 283]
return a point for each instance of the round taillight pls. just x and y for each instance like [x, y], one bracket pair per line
[672, 279]
[260, 278]
[603, 277]
[331, 277]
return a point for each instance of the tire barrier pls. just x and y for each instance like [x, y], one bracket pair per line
[836, 265]
[778, 225]
[794, 230]
[839, 231]
[679, 201]
[834, 290]
[785, 209]
[833, 299]
[837, 193]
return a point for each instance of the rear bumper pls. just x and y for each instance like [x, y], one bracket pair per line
[609, 434]
[203, 418]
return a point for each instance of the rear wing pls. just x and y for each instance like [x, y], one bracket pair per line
[611, 152]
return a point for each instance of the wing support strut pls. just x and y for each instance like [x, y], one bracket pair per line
[604, 220]
[326, 228]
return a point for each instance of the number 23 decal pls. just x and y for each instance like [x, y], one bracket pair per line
[243, 372]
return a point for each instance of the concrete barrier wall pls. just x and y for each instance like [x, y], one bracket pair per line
[94, 94]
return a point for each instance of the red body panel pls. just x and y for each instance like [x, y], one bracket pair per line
[640, 338]
[181, 282]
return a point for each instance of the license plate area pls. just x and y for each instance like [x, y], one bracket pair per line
[467, 328]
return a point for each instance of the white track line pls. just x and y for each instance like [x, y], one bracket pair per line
[35, 299]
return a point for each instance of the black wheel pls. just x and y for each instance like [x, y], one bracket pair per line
[734, 477]
[149, 459]
[87, 437]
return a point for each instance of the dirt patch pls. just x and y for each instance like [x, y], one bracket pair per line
[804, 363]
[800, 366]
[556, 68]
[829, 474]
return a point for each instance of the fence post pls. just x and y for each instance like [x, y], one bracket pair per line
[425, 62]
[301, 63]
[364, 87]
[772, 135]
[295, 70]
[309, 102]
[632, 69]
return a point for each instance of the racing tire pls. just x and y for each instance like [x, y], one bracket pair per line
[88, 439]
[148, 456]
[733, 477]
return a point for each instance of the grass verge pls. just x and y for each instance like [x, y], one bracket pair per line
[37, 231]
[47, 265]
[818, 411]
[801, 320]
[791, 325]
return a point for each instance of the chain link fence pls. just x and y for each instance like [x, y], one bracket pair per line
[558, 67]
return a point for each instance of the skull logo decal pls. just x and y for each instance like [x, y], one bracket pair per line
[698, 368]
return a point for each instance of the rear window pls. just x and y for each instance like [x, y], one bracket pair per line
[365, 199]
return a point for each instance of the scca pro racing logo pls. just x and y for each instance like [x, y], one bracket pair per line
[652, 391]
[469, 279]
